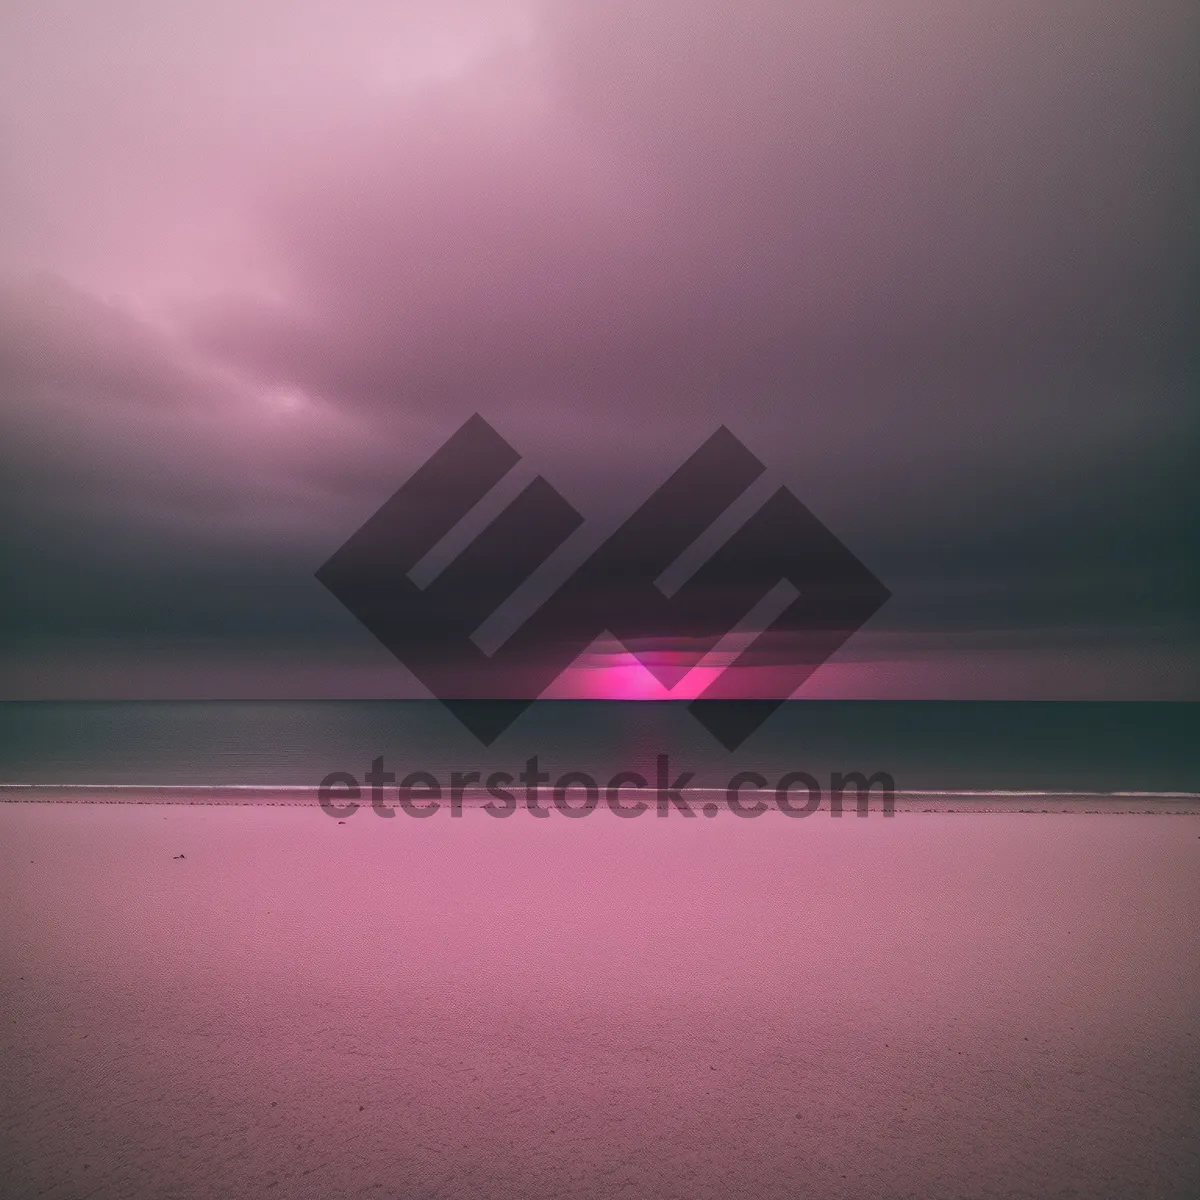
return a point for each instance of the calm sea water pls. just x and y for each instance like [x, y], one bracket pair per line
[1054, 746]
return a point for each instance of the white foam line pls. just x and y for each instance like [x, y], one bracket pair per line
[960, 793]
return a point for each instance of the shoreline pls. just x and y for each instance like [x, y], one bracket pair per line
[1124, 803]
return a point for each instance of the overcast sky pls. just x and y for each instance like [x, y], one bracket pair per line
[935, 264]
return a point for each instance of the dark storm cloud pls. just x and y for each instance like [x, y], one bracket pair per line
[934, 264]
[941, 240]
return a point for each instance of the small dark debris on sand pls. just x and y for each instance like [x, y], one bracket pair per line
[178, 855]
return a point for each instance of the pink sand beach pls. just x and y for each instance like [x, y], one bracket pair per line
[932, 1005]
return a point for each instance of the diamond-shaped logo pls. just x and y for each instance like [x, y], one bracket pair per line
[614, 590]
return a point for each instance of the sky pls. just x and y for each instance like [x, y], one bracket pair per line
[934, 264]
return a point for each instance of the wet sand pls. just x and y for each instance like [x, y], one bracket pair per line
[931, 1005]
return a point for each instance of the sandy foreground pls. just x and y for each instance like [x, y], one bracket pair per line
[931, 1005]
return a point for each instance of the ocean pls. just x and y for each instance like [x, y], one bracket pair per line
[949, 746]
